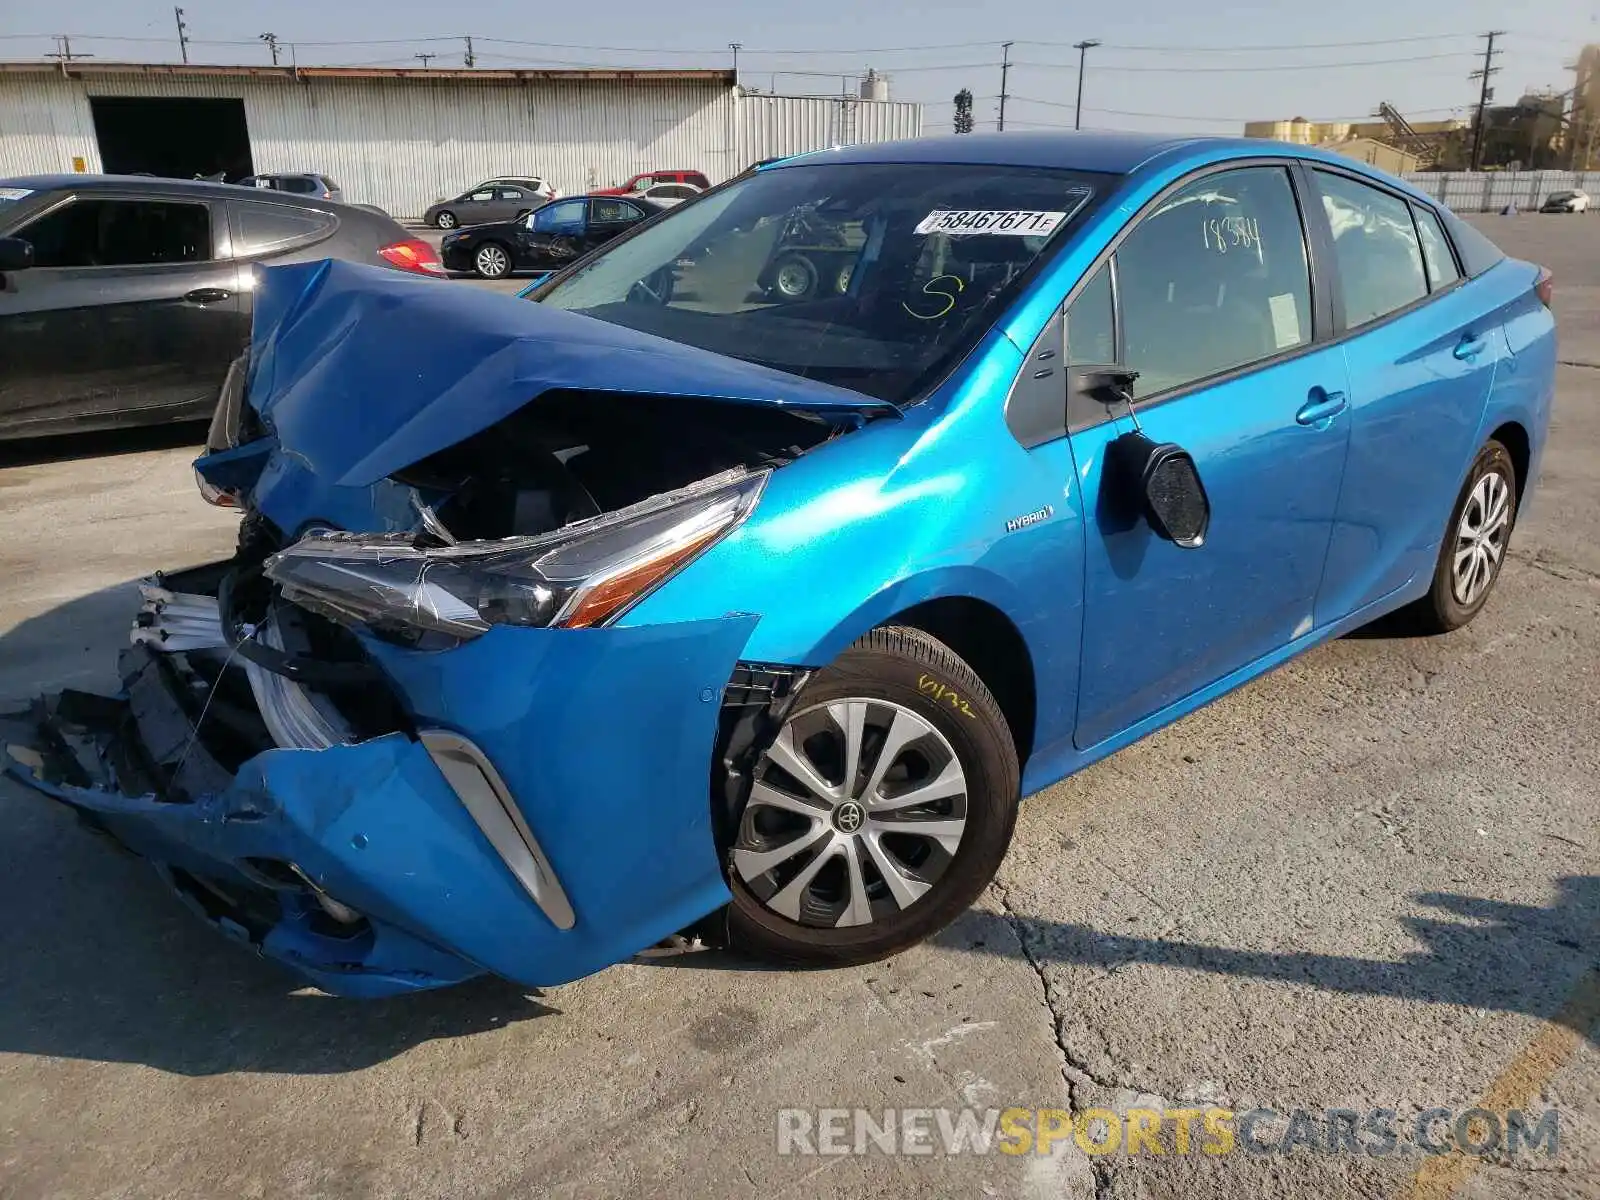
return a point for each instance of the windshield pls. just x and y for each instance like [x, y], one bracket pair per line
[874, 277]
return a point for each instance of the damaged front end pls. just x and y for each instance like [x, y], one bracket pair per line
[402, 737]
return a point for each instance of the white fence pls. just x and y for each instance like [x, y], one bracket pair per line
[1491, 191]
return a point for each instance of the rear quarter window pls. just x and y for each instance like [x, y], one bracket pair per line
[1477, 252]
[266, 228]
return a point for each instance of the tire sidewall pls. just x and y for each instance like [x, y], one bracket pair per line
[982, 742]
[1452, 614]
[476, 266]
[446, 220]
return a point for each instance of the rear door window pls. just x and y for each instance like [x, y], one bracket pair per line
[120, 233]
[265, 228]
[1375, 245]
[1216, 278]
[1436, 255]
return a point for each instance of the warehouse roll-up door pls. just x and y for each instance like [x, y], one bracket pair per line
[175, 138]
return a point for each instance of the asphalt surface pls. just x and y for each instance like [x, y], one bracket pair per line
[1370, 880]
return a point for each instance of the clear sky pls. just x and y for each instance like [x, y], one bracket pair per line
[1165, 64]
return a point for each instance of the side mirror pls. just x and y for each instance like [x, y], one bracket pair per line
[16, 254]
[1167, 484]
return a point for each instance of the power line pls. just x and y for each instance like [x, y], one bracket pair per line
[1329, 66]
[1155, 116]
[1253, 49]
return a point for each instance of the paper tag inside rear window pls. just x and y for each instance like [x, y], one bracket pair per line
[1016, 222]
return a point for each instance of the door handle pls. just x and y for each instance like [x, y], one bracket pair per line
[1469, 347]
[1323, 406]
[206, 295]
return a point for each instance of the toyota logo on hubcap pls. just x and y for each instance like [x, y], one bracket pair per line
[848, 817]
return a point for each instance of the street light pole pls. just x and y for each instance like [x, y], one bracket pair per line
[1083, 49]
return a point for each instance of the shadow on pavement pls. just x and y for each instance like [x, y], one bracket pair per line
[23, 452]
[1487, 954]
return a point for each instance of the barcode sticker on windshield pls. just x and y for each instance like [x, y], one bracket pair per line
[1017, 222]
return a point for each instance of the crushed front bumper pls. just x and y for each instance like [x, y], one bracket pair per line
[548, 814]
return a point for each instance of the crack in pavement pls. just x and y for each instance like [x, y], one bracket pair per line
[1555, 567]
[1074, 1072]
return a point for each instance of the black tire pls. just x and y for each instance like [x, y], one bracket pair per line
[794, 277]
[506, 264]
[446, 220]
[907, 668]
[1443, 609]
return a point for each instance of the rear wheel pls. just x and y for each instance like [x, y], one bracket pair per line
[882, 810]
[1474, 548]
[492, 261]
[446, 220]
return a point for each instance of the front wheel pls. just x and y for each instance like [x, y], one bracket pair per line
[446, 220]
[880, 813]
[492, 261]
[1475, 545]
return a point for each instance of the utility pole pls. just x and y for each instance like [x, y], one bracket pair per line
[63, 53]
[426, 59]
[183, 33]
[1485, 93]
[1005, 73]
[1083, 49]
[470, 59]
[736, 47]
[271, 39]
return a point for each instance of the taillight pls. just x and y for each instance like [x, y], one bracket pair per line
[413, 254]
[1542, 286]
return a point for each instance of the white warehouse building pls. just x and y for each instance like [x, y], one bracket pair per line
[403, 138]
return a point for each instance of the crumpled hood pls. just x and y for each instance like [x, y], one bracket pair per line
[361, 371]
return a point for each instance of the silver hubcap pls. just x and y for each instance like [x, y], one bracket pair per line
[856, 812]
[1481, 538]
[492, 260]
[446, 221]
[793, 279]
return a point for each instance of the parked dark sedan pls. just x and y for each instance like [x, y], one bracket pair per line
[123, 299]
[545, 240]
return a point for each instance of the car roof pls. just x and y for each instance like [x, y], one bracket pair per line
[1110, 153]
[122, 183]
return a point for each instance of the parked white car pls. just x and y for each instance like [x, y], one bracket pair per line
[671, 193]
[1573, 202]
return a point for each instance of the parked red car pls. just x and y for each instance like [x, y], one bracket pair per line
[649, 179]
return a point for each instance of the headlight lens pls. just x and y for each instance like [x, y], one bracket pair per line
[585, 574]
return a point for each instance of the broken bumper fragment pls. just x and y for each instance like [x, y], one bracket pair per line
[546, 813]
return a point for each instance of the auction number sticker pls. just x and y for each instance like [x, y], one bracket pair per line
[1019, 222]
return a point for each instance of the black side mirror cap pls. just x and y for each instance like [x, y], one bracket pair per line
[1168, 486]
[1108, 384]
[16, 254]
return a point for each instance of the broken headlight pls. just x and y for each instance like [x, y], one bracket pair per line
[582, 575]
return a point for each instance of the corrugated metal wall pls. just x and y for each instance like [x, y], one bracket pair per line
[770, 126]
[1491, 191]
[403, 144]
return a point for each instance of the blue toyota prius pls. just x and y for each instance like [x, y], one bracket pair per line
[744, 577]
